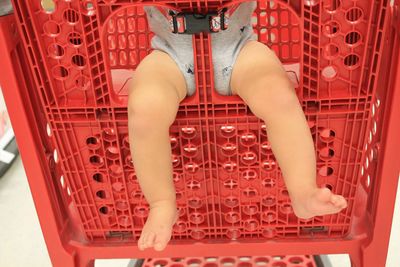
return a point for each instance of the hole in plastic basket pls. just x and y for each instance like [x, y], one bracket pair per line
[89, 8]
[231, 201]
[92, 142]
[60, 72]
[79, 61]
[198, 234]
[331, 51]
[266, 148]
[286, 208]
[190, 150]
[229, 166]
[329, 186]
[284, 192]
[268, 182]
[248, 158]
[250, 209]
[112, 152]
[353, 38]
[160, 263]
[248, 139]
[272, 20]
[48, 130]
[232, 217]
[98, 177]
[251, 225]
[327, 135]
[352, 61]
[82, 83]
[51, 28]
[115, 170]
[55, 51]
[189, 132]
[311, 2]
[174, 142]
[296, 260]
[331, 5]
[326, 153]
[129, 161]
[268, 200]
[195, 203]
[49, 6]
[118, 186]
[62, 181]
[326, 171]
[125, 142]
[180, 227]
[268, 165]
[193, 185]
[249, 175]
[329, 73]
[228, 149]
[68, 191]
[75, 39]
[101, 194]
[71, 16]
[268, 216]
[109, 134]
[191, 167]
[194, 262]
[244, 258]
[250, 192]
[124, 221]
[55, 155]
[230, 184]
[141, 211]
[228, 131]
[354, 15]
[331, 28]
[104, 210]
[233, 234]
[254, 20]
[227, 262]
[269, 232]
[132, 178]
[261, 261]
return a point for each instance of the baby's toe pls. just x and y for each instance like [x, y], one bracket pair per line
[141, 242]
[160, 243]
[149, 241]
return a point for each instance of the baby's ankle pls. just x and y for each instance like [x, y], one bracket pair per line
[163, 203]
[305, 191]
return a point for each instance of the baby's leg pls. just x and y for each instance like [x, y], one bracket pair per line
[158, 87]
[259, 79]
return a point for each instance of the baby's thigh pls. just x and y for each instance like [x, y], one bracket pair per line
[256, 62]
[156, 89]
[159, 72]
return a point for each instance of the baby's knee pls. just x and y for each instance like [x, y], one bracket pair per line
[274, 94]
[148, 106]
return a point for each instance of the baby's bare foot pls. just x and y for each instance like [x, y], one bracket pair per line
[317, 202]
[157, 230]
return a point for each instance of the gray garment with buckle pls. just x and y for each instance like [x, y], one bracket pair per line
[226, 45]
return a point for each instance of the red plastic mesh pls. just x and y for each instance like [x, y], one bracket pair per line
[245, 261]
[229, 186]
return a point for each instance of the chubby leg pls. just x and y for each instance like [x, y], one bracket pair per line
[158, 87]
[259, 79]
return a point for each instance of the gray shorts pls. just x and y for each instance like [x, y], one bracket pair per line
[226, 45]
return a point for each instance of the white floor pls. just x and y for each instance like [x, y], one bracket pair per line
[22, 244]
